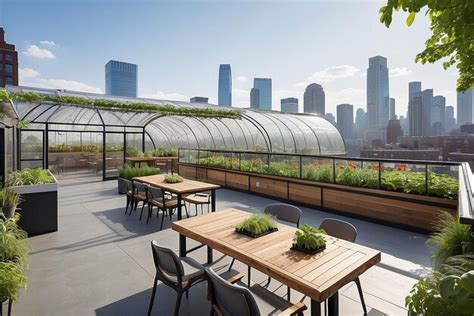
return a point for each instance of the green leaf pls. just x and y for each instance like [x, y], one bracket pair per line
[411, 18]
[447, 287]
[467, 281]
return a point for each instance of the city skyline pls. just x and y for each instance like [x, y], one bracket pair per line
[163, 70]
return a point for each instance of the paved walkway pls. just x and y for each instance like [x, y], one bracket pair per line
[99, 262]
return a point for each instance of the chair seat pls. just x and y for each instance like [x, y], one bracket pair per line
[196, 199]
[169, 203]
[193, 270]
[140, 196]
[268, 302]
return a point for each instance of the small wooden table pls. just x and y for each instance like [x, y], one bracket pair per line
[185, 187]
[150, 161]
[318, 276]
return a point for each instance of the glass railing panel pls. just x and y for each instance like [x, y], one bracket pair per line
[318, 169]
[404, 177]
[354, 173]
[284, 166]
[255, 162]
[443, 181]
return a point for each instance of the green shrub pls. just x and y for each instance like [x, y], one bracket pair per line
[28, 177]
[173, 178]
[308, 237]
[257, 224]
[318, 173]
[9, 198]
[134, 152]
[450, 239]
[128, 172]
[12, 280]
[165, 152]
[357, 177]
[458, 265]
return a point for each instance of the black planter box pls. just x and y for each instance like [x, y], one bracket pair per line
[38, 208]
[308, 251]
[247, 233]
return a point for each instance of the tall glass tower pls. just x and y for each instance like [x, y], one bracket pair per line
[121, 79]
[264, 87]
[378, 98]
[225, 86]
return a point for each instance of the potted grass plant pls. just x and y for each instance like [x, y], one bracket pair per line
[9, 201]
[127, 173]
[39, 199]
[257, 225]
[173, 178]
[13, 258]
[309, 240]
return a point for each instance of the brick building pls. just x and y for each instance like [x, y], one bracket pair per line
[8, 62]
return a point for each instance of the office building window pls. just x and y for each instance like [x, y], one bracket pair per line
[1, 67]
[9, 80]
[9, 68]
[1, 56]
[8, 57]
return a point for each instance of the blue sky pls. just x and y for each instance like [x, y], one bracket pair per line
[179, 45]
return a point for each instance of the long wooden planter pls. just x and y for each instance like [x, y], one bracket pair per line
[38, 208]
[414, 212]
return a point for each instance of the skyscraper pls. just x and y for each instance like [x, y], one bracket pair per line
[345, 120]
[254, 98]
[377, 96]
[314, 99]
[121, 79]
[8, 62]
[225, 86]
[330, 117]
[450, 120]
[264, 87]
[394, 130]
[414, 88]
[393, 115]
[198, 99]
[289, 105]
[466, 107]
[420, 113]
[360, 123]
[438, 115]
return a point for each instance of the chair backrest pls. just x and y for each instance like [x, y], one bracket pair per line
[284, 212]
[139, 186]
[129, 185]
[168, 266]
[230, 299]
[154, 193]
[339, 229]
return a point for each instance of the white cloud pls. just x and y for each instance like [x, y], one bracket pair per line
[28, 73]
[240, 98]
[61, 84]
[173, 96]
[356, 97]
[37, 52]
[399, 71]
[333, 73]
[241, 78]
[48, 43]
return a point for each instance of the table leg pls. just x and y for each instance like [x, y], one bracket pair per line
[210, 258]
[315, 308]
[182, 245]
[213, 200]
[333, 305]
[179, 207]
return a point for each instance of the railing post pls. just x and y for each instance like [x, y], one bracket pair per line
[426, 179]
[379, 184]
[333, 170]
[240, 160]
[301, 167]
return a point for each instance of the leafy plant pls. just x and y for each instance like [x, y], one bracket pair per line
[442, 295]
[318, 173]
[450, 239]
[173, 178]
[257, 224]
[308, 237]
[134, 152]
[164, 152]
[9, 198]
[128, 172]
[458, 265]
[13, 257]
[28, 176]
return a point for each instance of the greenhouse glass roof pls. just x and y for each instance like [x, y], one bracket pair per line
[262, 130]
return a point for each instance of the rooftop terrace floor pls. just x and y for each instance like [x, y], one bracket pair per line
[100, 262]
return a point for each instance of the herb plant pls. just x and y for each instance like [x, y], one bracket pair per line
[28, 177]
[128, 172]
[257, 224]
[164, 152]
[308, 237]
[173, 178]
[9, 198]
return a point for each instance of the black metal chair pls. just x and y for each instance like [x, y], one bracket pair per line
[129, 195]
[234, 300]
[178, 273]
[139, 195]
[198, 199]
[165, 203]
[346, 231]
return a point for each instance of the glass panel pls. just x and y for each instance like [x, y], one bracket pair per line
[254, 162]
[403, 177]
[9, 149]
[443, 181]
[134, 144]
[31, 164]
[31, 148]
[356, 173]
[285, 166]
[318, 169]
[114, 152]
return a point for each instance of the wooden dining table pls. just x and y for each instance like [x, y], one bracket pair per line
[180, 189]
[318, 276]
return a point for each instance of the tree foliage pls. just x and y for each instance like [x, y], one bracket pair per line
[452, 39]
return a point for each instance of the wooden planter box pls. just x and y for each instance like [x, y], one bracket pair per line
[39, 208]
[409, 211]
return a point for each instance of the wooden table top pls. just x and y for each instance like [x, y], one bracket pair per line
[187, 186]
[143, 159]
[317, 276]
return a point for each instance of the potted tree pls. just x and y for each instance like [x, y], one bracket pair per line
[257, 225]
[9, 201]
[309, 239]
[13, 258]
